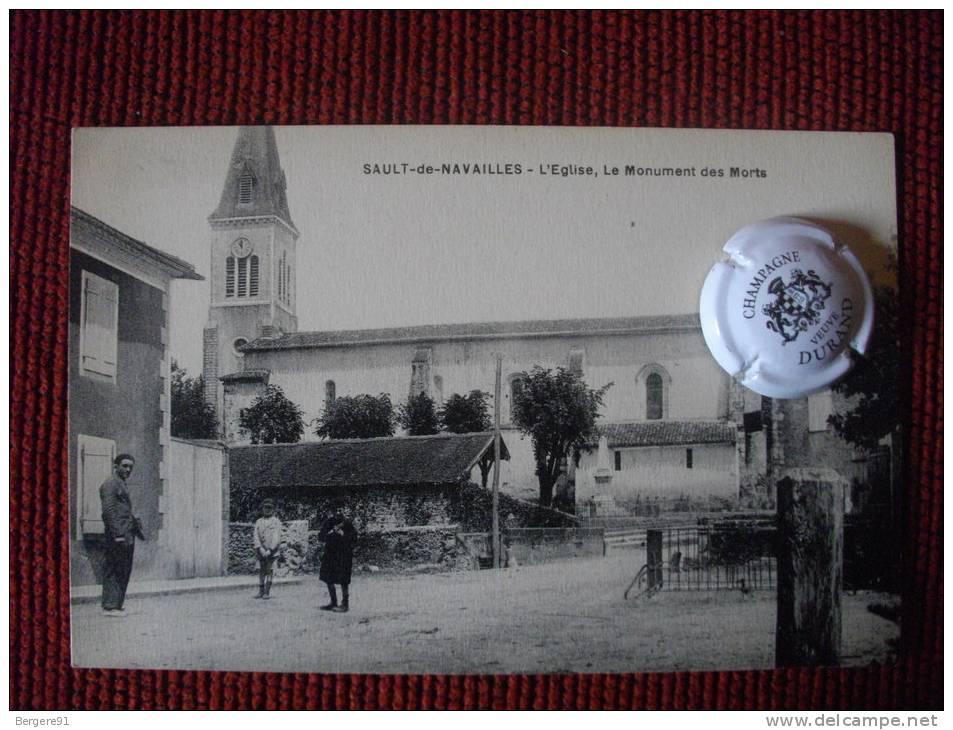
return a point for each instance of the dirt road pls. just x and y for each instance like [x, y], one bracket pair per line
[560, 617]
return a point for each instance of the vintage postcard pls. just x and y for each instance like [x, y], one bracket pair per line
[437, 400]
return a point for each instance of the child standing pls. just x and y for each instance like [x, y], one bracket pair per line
[267, 538]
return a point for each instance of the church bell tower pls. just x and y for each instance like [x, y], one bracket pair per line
[253, 248]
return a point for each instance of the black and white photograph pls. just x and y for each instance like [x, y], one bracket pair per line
[437, 400]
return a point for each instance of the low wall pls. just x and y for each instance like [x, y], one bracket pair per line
[377, 509]
[399, 528]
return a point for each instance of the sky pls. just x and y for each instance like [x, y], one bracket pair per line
[394, 250]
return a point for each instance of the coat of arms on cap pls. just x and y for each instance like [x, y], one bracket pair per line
[797, 305]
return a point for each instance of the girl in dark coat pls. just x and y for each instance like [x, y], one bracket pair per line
[338, 535]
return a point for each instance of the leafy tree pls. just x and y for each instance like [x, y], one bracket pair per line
[558, 411]
[469, 414]
[874, 384]
[272, 419]
[357, 417]
[419, 416]
[192, 416]
[466, 413]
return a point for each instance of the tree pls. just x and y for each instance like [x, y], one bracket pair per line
[558, 411]
[466, 413]
[469, 414]
[272, 419]
[192, 416]
[357, 417]
[874, 383]
[419, 416]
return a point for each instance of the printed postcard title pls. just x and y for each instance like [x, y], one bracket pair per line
[560, 170]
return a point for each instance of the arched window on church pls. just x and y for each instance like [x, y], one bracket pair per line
[330, 393]
[653, 384]
[253, 277]
[653, 397]
[230, 276]
[246, 186]
[516, 387]
[281, 277]
[243, 277]
[288, 287]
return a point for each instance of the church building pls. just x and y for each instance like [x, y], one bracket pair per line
[674, 425]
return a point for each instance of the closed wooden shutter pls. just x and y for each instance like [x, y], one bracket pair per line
[100, 325]
[94, 467]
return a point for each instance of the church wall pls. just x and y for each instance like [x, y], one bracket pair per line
[698, 388]
[661, 472]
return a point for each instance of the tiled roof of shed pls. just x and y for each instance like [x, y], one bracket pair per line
[476, 331]
[393, 461]
[667, 433]
[250, 375]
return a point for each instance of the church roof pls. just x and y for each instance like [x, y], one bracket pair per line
[477, 331]
[667, 433]
[254, 156]
[393, 461]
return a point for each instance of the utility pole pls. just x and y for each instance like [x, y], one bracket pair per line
[496, 464]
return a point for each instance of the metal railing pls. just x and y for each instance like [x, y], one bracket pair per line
[708, 558]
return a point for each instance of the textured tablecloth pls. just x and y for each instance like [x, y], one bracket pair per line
[759, 70]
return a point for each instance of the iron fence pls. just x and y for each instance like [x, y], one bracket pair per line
[708, 558]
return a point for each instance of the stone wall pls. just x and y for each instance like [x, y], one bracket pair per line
[415, 549]
[398, 528]
[292, 552]
[376, 509]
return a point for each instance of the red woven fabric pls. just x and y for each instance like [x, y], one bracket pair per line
[859, 71]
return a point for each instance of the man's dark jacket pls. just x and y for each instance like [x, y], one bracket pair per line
[338, 551]
[117, 510]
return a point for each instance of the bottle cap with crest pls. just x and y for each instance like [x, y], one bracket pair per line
[787, 309]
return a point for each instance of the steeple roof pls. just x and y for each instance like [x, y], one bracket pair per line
[255, 182]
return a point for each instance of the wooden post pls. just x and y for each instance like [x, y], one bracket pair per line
[653, 554]
[496, 464]
[810, 567]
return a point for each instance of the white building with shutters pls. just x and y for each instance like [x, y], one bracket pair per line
[119, 290]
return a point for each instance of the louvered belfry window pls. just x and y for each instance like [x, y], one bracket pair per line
[230, 276]
[253, 277]
[243, 277]
[246, 186]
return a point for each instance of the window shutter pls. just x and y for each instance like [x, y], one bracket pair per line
[100, 325]
[95, 466]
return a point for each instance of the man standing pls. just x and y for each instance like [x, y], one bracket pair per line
[338, 535]
[122, 527]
